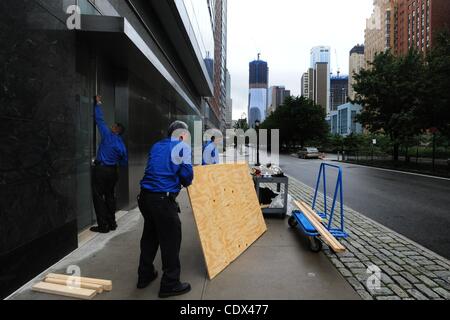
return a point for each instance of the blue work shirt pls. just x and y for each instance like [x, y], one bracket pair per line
[169, 167]
[210, 154]
[112, 150]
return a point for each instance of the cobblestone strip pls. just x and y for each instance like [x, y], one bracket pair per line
[408, 271]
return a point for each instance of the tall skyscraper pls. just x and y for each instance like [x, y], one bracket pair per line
[276, 97]
[322, 55]
[418, 22]
[229, 113]
[379, 33]
[259, 83]
[307, 89]
[357, 62]
[339, 91]
[304, 90]
[322, 85]
[218, 9]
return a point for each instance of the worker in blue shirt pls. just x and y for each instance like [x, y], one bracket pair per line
[111, 154]
[210, 152]
[169, 169]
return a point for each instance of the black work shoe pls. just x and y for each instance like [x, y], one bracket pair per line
[113, 227]
[142, 284]
[99, 230]
[179, 290]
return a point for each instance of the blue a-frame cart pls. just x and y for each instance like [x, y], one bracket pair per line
[299, 220]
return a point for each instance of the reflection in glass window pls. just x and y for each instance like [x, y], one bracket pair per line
[200, 19]
[87, 7]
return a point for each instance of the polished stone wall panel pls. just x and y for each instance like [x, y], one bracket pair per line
[39, 145]
[48, 77]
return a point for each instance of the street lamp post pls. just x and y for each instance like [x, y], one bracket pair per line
[257, 124]
[374, 142]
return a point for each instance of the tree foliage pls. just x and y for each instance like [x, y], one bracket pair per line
[403, 96]
[241, 124]
[300, 122]
[435, 111]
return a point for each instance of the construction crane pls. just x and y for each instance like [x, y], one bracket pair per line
[337, 62]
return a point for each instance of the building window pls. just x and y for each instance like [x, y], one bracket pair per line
[343, 116]
[353, 122]
[88, 7]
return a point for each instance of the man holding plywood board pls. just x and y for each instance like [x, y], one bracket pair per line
[169, 169]
[227, 213]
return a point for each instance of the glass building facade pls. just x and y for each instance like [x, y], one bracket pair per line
[258, 94]
[259, 73]
[343, 120]
[338, 92]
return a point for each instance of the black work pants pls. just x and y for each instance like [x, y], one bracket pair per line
[104, 180]
[162, 229]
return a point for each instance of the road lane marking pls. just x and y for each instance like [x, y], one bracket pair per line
[395, 171]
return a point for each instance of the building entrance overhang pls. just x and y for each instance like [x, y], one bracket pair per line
[116, 39]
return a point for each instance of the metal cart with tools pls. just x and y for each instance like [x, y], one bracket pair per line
[279, 181]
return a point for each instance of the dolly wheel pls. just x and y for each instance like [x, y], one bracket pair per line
[315, 244]
[292, 222]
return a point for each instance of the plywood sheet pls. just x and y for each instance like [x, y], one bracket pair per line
[227, 213]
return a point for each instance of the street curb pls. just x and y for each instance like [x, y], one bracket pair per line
[408, 269]
[443, 259]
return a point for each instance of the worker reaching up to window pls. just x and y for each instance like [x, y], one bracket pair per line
[111, 154]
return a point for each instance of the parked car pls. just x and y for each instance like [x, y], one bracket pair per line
[309, 153]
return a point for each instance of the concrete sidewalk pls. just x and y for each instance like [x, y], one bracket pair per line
[278, 266]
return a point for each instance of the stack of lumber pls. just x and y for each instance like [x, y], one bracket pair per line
[317, 223]
[72, 286]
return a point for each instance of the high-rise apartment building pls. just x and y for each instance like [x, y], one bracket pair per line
[307, 89]
[229, 112]
[418, 22]
[322, 85]
[322, 54]
[304, 89]
[379, 33]
[276, 97]
[218, 9]
[339, 91]
[258, 91]
[356, 64]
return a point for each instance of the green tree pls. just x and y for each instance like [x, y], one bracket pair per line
[435, 95]
[388, 92]
[241, 124]
[300, 122]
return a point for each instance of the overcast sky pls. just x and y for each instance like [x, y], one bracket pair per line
[284, 31]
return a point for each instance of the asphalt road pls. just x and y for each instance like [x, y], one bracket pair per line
[415, 206]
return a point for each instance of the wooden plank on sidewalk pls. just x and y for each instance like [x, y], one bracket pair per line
[303, 206]
[84, 285]
[64, 291]
[326, 235]
[106, 284]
